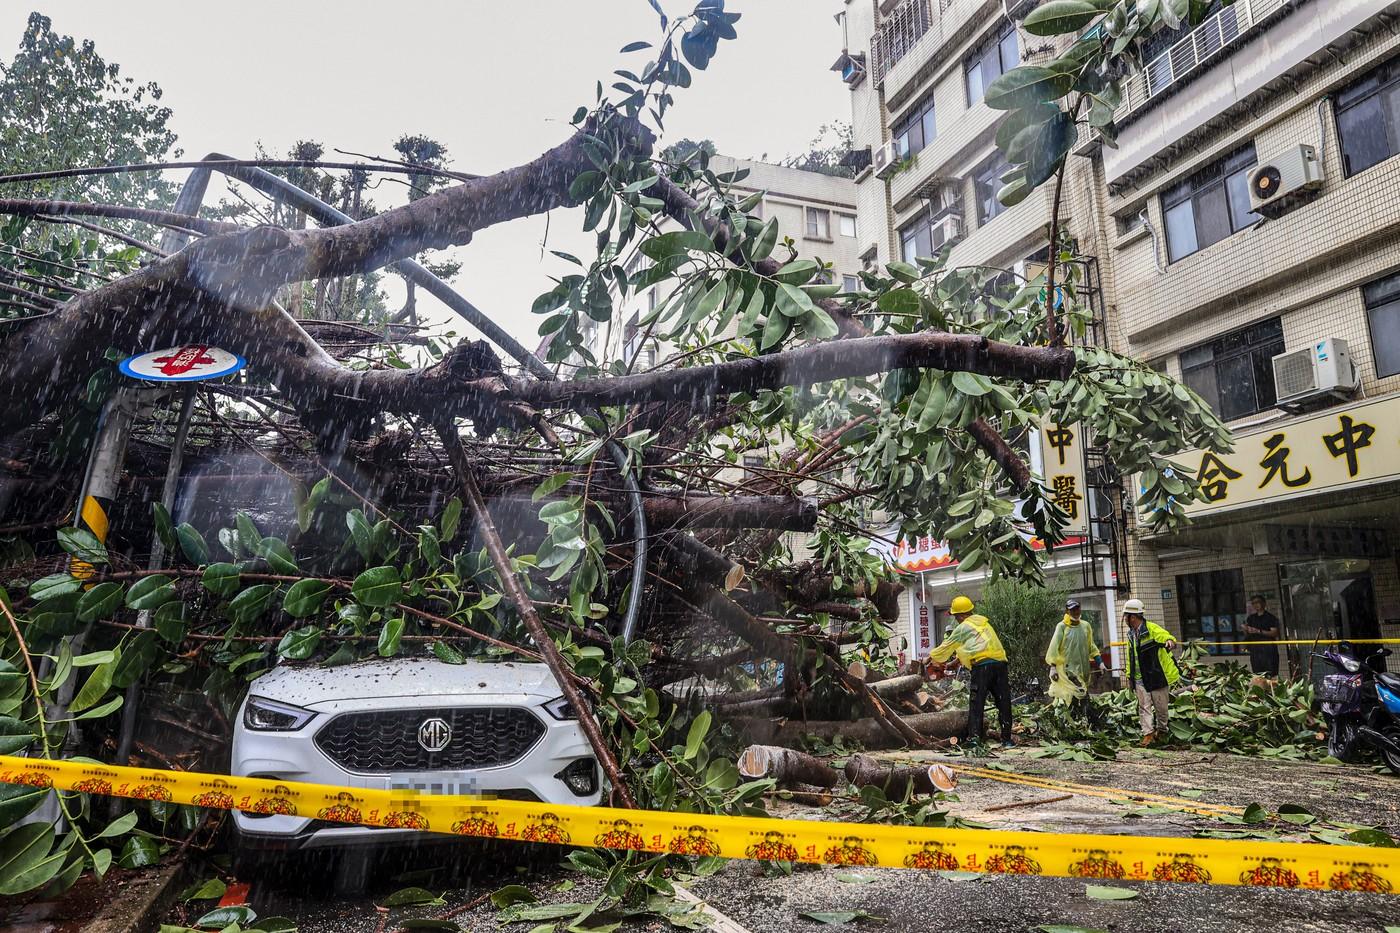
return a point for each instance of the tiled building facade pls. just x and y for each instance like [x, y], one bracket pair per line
[1192, 279]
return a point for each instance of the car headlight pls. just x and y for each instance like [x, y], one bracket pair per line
[560, 708]
[265, 715]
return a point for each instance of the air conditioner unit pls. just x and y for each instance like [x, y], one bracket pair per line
[1284, 181]
[886, 159]
[947, 229]
[853, 71]
[1322, 370]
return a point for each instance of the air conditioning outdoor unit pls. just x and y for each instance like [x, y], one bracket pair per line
[1322, 370]
[1284, 181]
[947, 229]
[886, 159]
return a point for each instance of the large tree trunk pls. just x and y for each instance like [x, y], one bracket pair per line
[786, 766]
[868, 732]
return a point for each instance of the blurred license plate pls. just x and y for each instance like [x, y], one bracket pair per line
[436, 782]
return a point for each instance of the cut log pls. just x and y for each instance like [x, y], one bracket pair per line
[786, 766]
[868, 732]
[898, 686]
[864, 771]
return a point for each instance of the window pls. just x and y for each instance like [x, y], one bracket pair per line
[916, 129]
[818, 224]
[987, 180]
[1368, 118]
[1383, 312]
[1210, 205]
[651, 299]
[1213, 608]
[1235, 373]
[924, 236]
[848, 224]
[850, 283]
[991, 62]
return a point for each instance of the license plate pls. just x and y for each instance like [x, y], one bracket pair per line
[437, 782]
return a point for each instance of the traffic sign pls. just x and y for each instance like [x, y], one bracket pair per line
[189, 363]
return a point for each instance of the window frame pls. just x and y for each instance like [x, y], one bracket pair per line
[1259, 343]
[1216, 181]
[987, 176]
[994, 46]
[841, 220]
[918, 117]
[1219, 587]
[850, 282]
[1386, 91]
[1382, 294]
[822, 229]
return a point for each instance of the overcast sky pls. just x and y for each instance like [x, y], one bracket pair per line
[495, 82]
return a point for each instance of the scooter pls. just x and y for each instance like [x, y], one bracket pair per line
[1361, 703]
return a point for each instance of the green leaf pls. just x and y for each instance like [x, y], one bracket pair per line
[209, 889]
[761, 246]
[674, 243]
[136, 657]
[1027, 86]
[15, 735]
[839, 917]
[900, 301]
[797, 272]
[283, 925]
[165, 530]
[221, 579]
[378, 586]
[451, 517]
[150, 592]
[412, 897]
[389, 637]
[774, 330]
[511, 895]
[447, 654]
[26, 859]
[82, 544]
[550, 486]
[971, 384]
[361, 532]
[55, 584]
[818, 325]
[100, 602]
[1101, 892]
[93, 689]
[278, 555]
[118, 827]
[1060, 17]
[220, 917]
[305, 597]
[251, 603]
[300, 643]
[17, 800]
[1254, 813]
[192, 543]
[699, 727]
[962, 875]
[793, 301]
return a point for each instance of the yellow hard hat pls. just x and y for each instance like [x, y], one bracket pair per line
[960, 605]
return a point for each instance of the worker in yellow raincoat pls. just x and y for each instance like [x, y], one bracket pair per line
[978, 649]
[1072, 655]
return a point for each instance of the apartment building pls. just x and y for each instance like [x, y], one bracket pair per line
[1245, 237]
[917, 71]
[1250, 225]
[817, 211]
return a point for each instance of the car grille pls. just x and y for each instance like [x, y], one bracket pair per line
[482, 737]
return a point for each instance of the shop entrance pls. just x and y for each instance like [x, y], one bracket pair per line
[1327, 599]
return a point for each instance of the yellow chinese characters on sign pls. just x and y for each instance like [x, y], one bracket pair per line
[1062, 453]
[1342, 447]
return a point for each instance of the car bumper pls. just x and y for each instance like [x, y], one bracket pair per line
[294, 756]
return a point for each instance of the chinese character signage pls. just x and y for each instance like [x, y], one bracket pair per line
[1062, 453]
[920, 624]
[1355, 446]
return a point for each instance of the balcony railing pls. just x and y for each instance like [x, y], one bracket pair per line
[898, 33]
[1195, 51]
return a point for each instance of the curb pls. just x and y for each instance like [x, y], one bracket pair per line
[140, 904]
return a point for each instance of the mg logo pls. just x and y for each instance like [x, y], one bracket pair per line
[434, 734]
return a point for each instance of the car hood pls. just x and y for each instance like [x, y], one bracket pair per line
[403, 677]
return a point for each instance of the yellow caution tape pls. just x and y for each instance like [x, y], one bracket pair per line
[1147, 858]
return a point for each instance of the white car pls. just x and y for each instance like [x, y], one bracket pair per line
[495, 728]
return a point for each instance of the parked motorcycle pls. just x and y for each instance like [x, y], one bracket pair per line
[1361, 703]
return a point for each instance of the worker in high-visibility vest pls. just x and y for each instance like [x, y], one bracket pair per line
[978, 649]
[1151, 670]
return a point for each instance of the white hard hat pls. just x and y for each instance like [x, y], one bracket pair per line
[1133, 606]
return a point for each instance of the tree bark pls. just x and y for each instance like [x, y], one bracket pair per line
[864, 771]
[786, 766]
[868, 732]
[897, 686]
